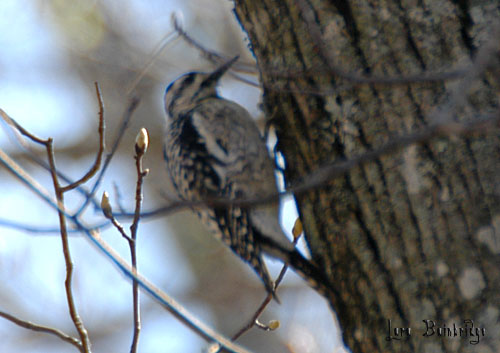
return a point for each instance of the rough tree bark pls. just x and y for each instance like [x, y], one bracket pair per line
[414, 234]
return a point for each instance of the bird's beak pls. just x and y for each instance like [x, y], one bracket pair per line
[221, 70]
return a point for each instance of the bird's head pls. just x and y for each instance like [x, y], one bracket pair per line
[187, 91]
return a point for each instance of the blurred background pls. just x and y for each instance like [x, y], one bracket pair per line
[52, 53]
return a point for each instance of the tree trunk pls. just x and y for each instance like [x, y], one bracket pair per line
[413, 234]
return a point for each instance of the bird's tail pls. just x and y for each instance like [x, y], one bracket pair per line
[310, 272]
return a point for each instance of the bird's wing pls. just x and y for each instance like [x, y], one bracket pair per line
[244, 164]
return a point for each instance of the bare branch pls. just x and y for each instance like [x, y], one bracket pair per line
[97, 164]
[353, 78]
[21, 129]
[18, 130]
[485, 56]
[442, 125]
[134, 102]
[329, 171]
[215, 57]
[141, 147]
[120, 228]
[28, 180]
[59, 205]
[254, 320]
[40, 328]
[75, 317]
[167, 302]
[211, 55]
[315, 179]
[59, 191]
[167, 39]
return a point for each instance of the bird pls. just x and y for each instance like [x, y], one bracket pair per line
[214, 150]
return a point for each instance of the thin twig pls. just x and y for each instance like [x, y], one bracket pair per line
[141, 147]
[167, 39]
[329, 171]
[167, 302]
[59, 191]
[75, 317]
[211, 55]
[254, 320]
[353, 78]
[16, 128]
[97, 164]
[134, 102]
[40, 328]
[120, 229]
[485, 56]
[179, 311]
[215, 57]
[333, 171]
[441, 118]
[21, 129]
[313, 180]
[28, 180]
[356, 79]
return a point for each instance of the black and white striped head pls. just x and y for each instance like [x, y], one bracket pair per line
[187, 91]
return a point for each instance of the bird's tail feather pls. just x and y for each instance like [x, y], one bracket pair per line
[305, 268]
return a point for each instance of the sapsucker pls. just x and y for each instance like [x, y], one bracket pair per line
[214, 150]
